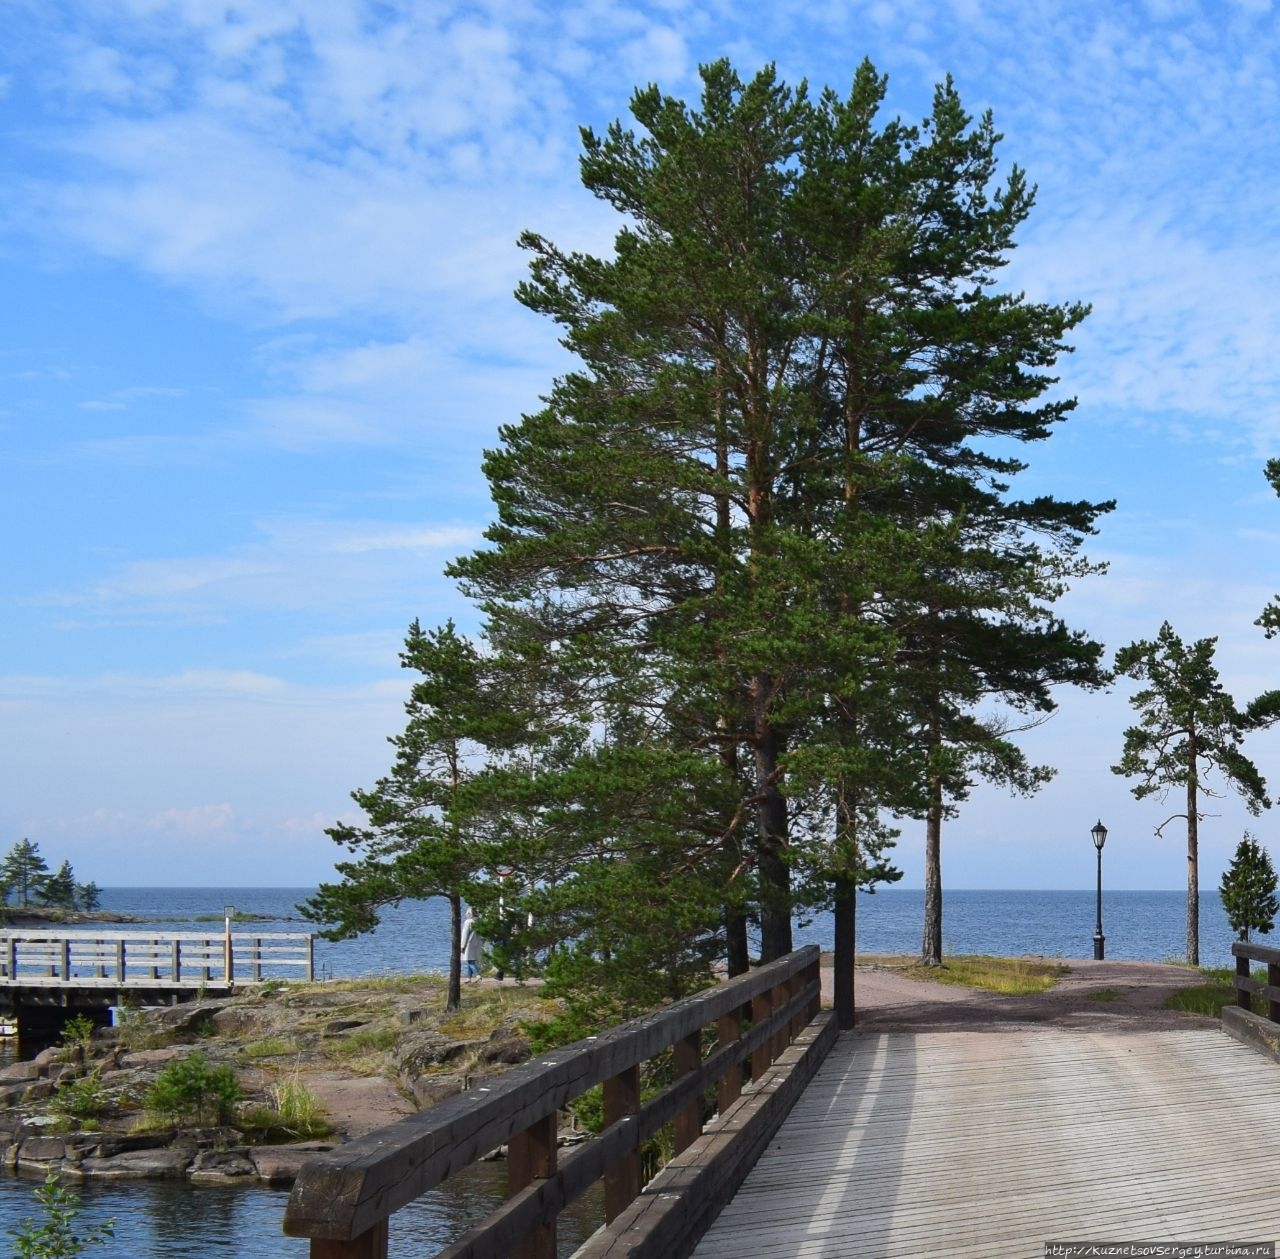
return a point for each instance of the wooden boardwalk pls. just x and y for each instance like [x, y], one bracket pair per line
[987, 1144]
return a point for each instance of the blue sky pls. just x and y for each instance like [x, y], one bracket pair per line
[258, 328]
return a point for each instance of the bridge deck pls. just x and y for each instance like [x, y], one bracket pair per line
[991, 1143]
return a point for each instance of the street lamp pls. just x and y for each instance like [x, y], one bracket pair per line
[1099, 834]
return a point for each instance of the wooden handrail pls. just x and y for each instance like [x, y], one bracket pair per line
[343, 1199]
[175, 959]
[1245, 952]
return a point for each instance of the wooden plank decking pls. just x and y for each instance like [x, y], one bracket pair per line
[988, 1144]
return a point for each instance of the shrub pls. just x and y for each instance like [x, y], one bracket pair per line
[56, 1236]
[79, 1099]
[77, 1032]
[192, 1090]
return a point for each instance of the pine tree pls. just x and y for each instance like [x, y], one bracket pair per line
[418, 841]
[1248, 889]
[59, 889]
[773, 459]
[1189, 728]
[24, 870]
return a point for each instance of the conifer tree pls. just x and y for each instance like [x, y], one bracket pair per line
[1189, 728]
[1248, 889]
[775, 452]
[418, 840]
[24, 870]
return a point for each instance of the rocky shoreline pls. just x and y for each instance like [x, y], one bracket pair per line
[364, 1054]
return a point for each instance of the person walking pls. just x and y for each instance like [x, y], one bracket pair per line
[471, 945]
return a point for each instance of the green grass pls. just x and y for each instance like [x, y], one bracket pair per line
[1105, 994]
[1209, 998]
[1012, 976]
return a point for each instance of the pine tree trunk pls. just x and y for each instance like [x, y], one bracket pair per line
[771, 833]
[931, 948]
[846, 910]
[454, 998]
[1193, 867]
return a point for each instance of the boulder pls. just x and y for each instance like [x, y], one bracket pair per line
[506, 1049]
[339, 1027]
[427, 1090]
[217, 1167]
[279, 1164]
[41, 1152]
[20, 1071]
[153, 1164]
[155, 1057]
[421, 1050]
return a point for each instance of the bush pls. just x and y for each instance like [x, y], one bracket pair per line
[77, 1032]
[79, 1099]
[56, 1236]
[192, 1090]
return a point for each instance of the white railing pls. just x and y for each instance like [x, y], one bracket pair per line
[139, 959]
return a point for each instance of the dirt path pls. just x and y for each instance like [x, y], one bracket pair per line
[886, 999]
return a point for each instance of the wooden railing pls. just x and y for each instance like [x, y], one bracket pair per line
[83, 959]
[1260, 1031]
[343, 1199]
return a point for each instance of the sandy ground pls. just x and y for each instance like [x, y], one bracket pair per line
[885, 999]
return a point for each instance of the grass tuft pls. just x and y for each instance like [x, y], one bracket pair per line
[1013, 976]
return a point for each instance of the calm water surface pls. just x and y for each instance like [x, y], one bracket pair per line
[176, 1221]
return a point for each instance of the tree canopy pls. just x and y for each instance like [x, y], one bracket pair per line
[1189, 728]
[758, 581]
[1248, 889]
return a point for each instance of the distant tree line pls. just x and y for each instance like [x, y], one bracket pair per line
[25, 879]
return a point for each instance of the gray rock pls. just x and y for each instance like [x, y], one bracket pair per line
[427, 1090]
[220, 1166]
[508, 1049]
[20, 1071]
[156, 1164]
[432, 1049]
[41, 1151]
[279, 1164]
[337, 1027]
[155, 1057]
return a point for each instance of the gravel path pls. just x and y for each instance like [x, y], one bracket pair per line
[886, 999]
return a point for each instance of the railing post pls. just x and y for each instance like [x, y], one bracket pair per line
[531, 1155]
[1273, 979]
[369, 1245]
[66, 957]
[12, 955]
[1242, 992]
[311, 958]
[120, 961]
[255, 969]
[729, 1087]
[622, 1180]
[782, 1037]
[813, 974]
[761, 1008]
[687, 1057]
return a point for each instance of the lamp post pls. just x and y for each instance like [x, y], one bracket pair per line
[1099, 834]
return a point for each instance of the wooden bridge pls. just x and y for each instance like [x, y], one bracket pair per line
[867, 1143]
[98, 968]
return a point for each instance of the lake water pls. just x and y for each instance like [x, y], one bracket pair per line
[175, 1221]
[1139, 926]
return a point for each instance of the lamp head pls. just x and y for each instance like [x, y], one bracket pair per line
[1099, 834]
